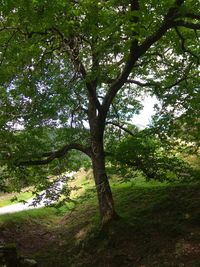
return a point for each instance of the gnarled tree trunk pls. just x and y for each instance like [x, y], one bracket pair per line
[97, 118]
[106, 204]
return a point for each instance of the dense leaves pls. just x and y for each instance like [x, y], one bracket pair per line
[144, 152]
[71, 69]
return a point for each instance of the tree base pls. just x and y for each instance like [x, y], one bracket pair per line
[109, 218]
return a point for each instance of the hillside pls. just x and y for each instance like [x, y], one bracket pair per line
[159, 226]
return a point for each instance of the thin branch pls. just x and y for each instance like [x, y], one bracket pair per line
[134, 82]
[31, 33]
[189, 25]
[120, 127]
[184, 78]
[186, 50]
[7, 45]
[50, 156]
[147, 84]
[192, 16]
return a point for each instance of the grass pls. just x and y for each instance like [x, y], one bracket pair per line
[9, 199]
[81, 187]
[159, 226]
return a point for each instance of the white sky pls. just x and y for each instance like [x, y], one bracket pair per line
[144, 118]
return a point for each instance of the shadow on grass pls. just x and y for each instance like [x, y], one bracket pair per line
[159, 226]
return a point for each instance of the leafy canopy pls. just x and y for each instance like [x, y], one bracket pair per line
[58, 57]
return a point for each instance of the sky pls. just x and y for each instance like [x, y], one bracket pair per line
[144, 118]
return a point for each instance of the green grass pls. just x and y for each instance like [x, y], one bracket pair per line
[8, 199]
[78, 195]
[159, 226]
[24, 216]
[44, 213]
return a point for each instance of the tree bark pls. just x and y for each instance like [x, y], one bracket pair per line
[106, 203]
[97, 118]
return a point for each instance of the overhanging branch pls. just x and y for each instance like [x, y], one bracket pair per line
[48, 157]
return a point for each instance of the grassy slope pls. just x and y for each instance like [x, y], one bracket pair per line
[12, 198]
[160, 226]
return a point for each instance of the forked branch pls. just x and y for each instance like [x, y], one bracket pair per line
[171, 20]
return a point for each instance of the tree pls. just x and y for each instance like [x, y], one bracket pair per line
[81, 64]
[143, 151]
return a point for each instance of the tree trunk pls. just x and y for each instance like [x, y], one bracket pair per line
[106, 204]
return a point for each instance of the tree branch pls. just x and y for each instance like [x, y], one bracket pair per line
[50, 156]
[135, 82]
[147, 84]
[184, 78]
[132, 58]
[73, 51]
[6, 46]
[192, 16]
[169, 21]
[189, 25]
[120, 127]
[184, 49]
[179, 2]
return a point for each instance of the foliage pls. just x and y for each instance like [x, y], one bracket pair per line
[14, 177]
[146, 153]
[70, 68]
